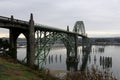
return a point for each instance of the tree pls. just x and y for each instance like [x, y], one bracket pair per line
[4, 45]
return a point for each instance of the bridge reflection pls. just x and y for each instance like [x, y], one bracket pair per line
[86, 58]
[105, 62]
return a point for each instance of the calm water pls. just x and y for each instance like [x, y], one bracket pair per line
[105, 57]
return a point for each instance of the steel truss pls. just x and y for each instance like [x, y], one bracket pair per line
[45, 40]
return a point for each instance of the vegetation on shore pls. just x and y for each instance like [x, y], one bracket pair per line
[12, 70]
[92, 74]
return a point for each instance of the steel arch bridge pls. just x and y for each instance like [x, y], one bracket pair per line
[40, 38]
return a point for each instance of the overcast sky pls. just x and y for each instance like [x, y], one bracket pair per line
[101, 17]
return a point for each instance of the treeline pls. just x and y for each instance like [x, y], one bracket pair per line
[105, 39]
[93, 40]
[4, 47]
[4, 44]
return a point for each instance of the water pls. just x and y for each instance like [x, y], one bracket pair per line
[105, 57]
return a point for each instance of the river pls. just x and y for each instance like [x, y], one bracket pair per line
[104, 57]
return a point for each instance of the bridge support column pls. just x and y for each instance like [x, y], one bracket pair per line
[68, 47]
[31, 43]
[72, 52]
[13, 47]
[76, 45]
[83, 43]
[13, 43]
[86, 43]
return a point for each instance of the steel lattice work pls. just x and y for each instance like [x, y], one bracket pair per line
[79, 28]
[40, 38]
[45, 41]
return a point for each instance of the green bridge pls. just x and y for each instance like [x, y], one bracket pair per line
[40, 38]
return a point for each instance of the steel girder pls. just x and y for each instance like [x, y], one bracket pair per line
[45, 41]
[79, 28]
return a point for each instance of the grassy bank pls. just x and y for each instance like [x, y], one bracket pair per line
[12, 70]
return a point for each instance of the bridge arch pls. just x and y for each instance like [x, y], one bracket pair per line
[79, 27]
[16, 27]
[21, 47]
[14, 34]
[48, 41]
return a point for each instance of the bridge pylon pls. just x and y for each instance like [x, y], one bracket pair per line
[86, 44]
[31, 42]
[29, 33]
[13, 40]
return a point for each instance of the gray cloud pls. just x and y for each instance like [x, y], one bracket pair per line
[98, 15]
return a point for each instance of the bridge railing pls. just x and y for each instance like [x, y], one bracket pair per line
[57, 29]
[14, 20]
[46, 26]
[6, 19]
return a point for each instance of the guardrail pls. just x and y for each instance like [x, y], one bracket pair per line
[36, 24]
[13, 20]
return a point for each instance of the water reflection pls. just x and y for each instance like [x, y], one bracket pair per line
[101, 56]
[52, 59]
[89, 58]
[86, 58]
[105, 62]
[72, 66]
[60, 58]
[100, 49]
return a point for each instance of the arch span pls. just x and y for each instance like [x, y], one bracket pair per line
[21, 47]
[79, 27]
[14, 34]
[44, 45]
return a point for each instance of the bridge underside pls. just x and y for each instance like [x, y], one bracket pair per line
[45, 40]
[16, 27]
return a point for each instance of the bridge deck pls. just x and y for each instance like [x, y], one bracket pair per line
[52, 29]
[37, 26]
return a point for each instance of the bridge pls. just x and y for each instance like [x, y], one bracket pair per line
[40, 38]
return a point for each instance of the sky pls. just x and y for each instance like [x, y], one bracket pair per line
[101, 17]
